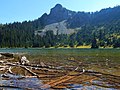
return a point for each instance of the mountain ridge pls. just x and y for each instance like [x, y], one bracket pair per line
[77, 19]
[63, 27]
[59, 13]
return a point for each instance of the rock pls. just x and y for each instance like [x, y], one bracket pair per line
[24, 60]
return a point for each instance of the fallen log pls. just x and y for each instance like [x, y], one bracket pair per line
[60, 80]
[10, 71]
[34, 74]
[12, 87]
[2, 68]
[57, 81]
[10, 55]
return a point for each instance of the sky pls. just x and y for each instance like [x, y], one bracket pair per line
[21, 10]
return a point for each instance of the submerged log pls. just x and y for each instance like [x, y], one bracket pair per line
[2, 68]
[10, 71]
[34, 74]
[60, 80]
[9, 55]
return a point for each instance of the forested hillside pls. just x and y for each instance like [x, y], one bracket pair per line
[97, 29]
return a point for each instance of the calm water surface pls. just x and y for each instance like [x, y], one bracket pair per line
[106, 58]
[101, 60]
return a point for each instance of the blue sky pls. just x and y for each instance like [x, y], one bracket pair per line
[21, 10]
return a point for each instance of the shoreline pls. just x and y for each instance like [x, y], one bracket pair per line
[79, 47]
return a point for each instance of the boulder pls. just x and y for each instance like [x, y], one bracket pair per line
[24, 60]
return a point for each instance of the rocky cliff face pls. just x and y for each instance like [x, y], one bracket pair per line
[57, 14]
[73, 20]
[56, 21]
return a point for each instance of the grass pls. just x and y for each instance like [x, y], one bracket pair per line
[83, 46]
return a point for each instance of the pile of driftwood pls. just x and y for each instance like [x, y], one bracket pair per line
[53, 77]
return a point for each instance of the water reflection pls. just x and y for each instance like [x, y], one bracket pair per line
[14, 83]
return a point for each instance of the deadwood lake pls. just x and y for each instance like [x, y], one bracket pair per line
[70, 68]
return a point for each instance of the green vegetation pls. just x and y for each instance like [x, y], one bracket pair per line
[22, 35]
[98, 29]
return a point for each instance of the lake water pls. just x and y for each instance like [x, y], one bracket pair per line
[106, 61]
[106, 58]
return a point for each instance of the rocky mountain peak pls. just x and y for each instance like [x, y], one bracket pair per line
[57, 14]
[58, 6]
[57, 9]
